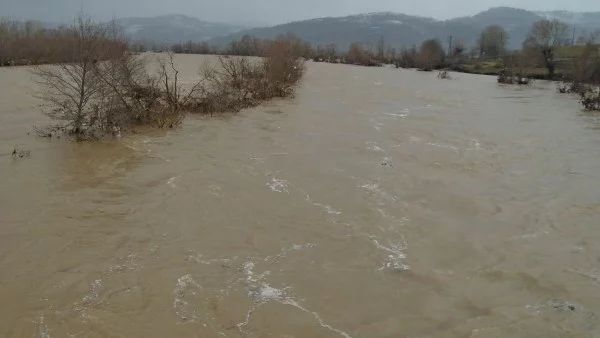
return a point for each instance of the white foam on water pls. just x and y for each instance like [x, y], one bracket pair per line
[171, 182]
[373, 146]
[128, 263]
[373, 187]
[397, 115]
[43, 331]
[261, 293]
[278, 185]
[284, 252]
[93, 295]
[414, 139]
[303, 246]
[215, 190]
[89, 298]
[395, 256]
[317, 317]
[256, 158]
[474, 145]
[594, 275]
[535, 234]
[376, 124]
[329, 209]
[186, 286]
[441, 145]
[258, 290]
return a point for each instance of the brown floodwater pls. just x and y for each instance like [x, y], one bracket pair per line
[376, 203]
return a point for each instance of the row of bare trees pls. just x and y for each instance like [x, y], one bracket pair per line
[29, 43]
[99, 91]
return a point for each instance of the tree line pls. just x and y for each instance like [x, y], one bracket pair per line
[30, 43]
[539, 50]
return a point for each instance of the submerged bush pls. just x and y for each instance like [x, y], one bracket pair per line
[507, 76]
[590, 99]
[104, 91]
[444, 75]
[239, 83]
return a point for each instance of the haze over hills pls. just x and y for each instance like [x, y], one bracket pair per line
[174, 28]
[398, 30]
[403, 30]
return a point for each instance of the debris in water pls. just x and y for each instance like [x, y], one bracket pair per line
[19, 153]
[561, 305]
[387, 162]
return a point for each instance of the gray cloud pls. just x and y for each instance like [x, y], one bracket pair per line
[268, 11]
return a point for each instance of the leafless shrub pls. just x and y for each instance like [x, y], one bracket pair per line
[238, 82]
[590, 99]
[407, 59]
[568, 87]
[71, 90]
[102, 91]
[585, 71]
[506, 76]
[444, 75]
[514, 69]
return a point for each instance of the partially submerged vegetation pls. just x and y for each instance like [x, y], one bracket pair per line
[20, 153]
[444, 75]
[100, 85]
[104, 90]
[585, 77]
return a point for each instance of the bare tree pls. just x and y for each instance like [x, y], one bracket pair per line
[407, 58]
[431, 55]
[459, 48]
[356, 54]
[331, 52]
[492, 42]
[545, 37]
[589, 38]
[70, 90]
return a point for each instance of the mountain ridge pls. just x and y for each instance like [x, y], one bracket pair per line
[398, 29]
[402, 30]
[174, 28]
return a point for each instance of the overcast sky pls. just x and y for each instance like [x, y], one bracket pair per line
[269, 11]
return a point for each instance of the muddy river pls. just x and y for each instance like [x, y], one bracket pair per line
[376, 203]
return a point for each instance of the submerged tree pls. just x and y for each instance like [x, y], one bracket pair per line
[72, 89]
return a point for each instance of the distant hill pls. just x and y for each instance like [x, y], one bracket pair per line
[400, 30]
[168, 29]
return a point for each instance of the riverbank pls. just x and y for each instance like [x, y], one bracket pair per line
[494, 68]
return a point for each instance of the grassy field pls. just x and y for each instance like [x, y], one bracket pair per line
[565, 57]
[573, 51]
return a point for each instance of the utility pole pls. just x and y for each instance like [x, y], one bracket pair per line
[573, 41]
[450, 45]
